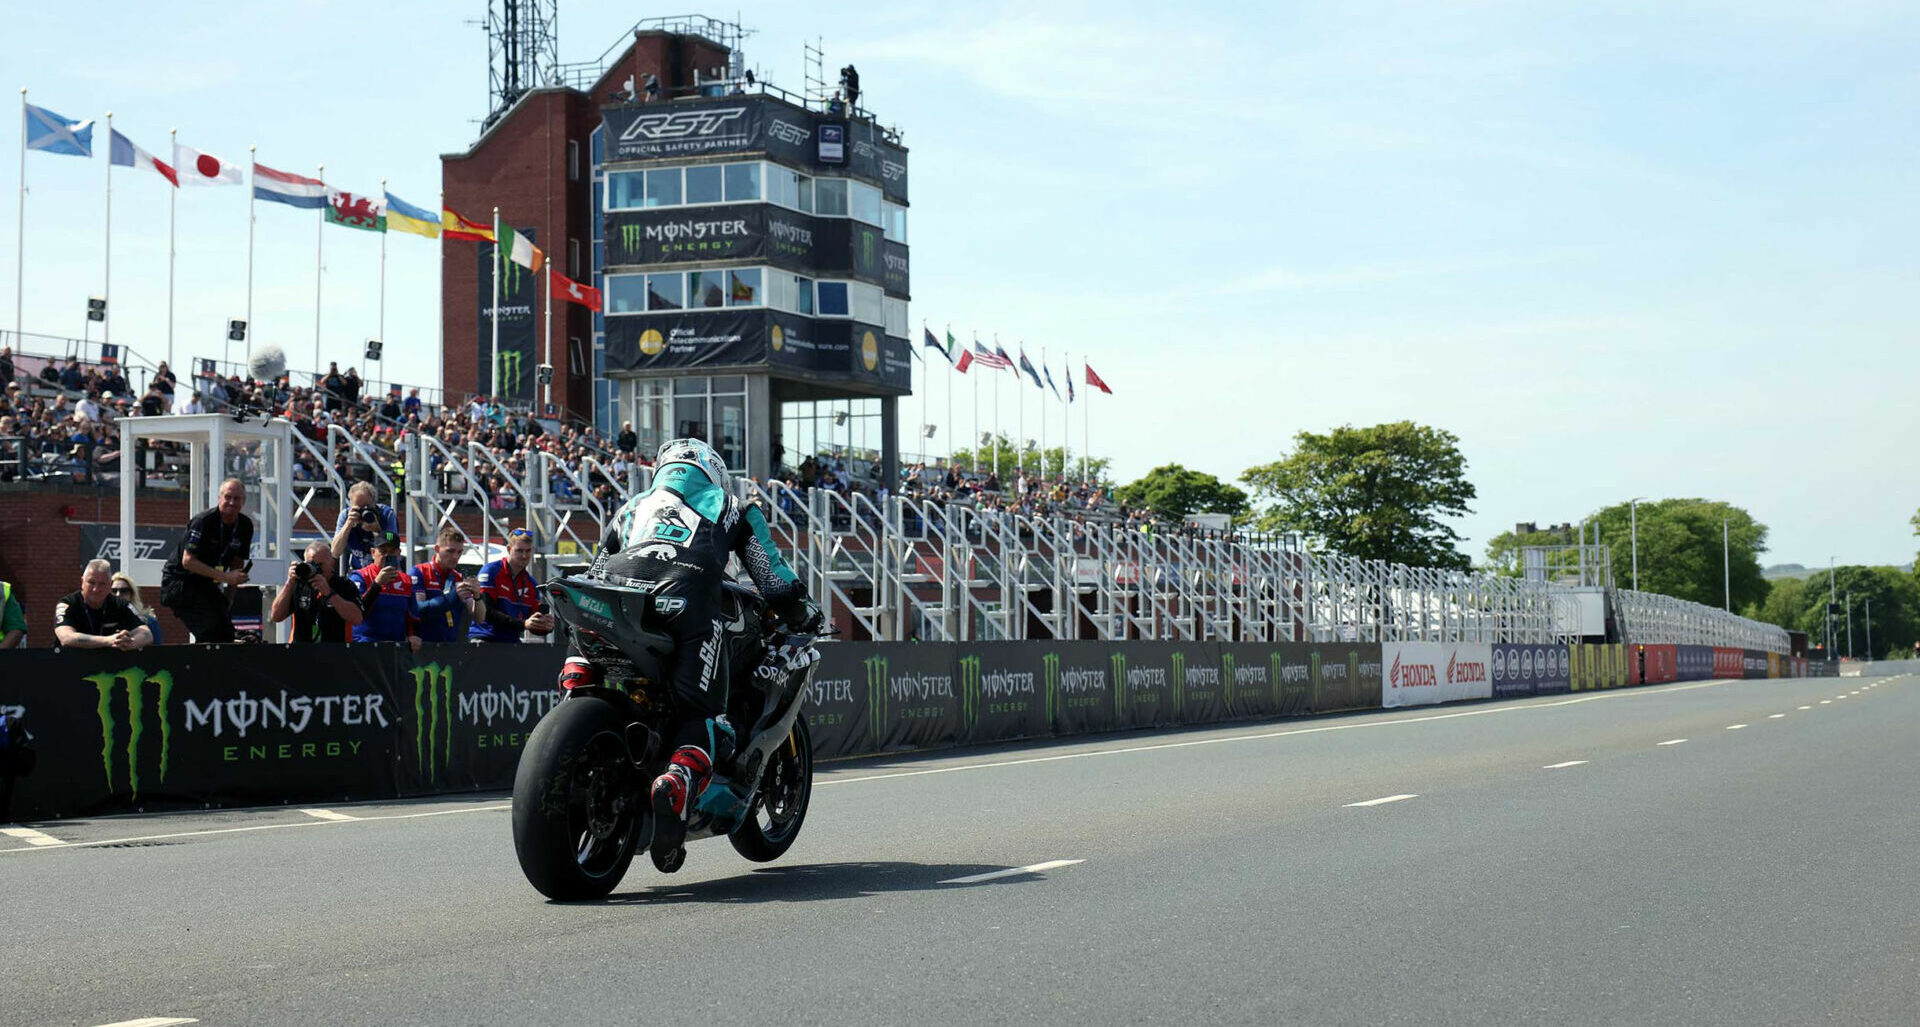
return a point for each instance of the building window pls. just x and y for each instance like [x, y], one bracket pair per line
[744, 287]
[867, 302]
[866, 203]
[573, 259]
[706, 288]
[663, 188]
[576, 357]
[896, 317]
[830, 197]
[743, 182]
[703, 184]
[599, 196]
[626, 294]
[832, 299]
[594, 143]
[573, 160]
[896, 218]
[666, 292]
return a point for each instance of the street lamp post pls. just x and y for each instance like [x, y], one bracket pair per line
[1869, 626]
[1633, 532]
[1833, 600]
[1849, 609]
[1726, 566]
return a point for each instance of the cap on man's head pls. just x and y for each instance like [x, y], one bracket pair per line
[387, 538]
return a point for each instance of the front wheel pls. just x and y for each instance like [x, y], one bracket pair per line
[781, 807]
[577, 815]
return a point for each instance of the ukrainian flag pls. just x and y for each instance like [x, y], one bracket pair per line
[405, 217]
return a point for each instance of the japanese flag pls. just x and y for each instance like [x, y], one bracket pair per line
[196, 168]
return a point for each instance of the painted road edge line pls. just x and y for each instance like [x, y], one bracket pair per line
[258, 827]
[327, 814]
[1671, 741]
[1384, 800]
[1557, 766]
[1052, 864]
[31, 836]
[152, 1021]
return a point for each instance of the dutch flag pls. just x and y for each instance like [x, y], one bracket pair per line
[290, 189]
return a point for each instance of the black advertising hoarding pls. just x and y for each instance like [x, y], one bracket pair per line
[1528, 669]
[686, 338]
[720, 126]
[1693, 662]
[911, 699]
[804, 344]
[842, 695]
[895, 272]
[815, 247]
[1078, 678]
[466, 712]
[1003, 691]
[519, 294]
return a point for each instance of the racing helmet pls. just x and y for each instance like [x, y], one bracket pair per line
[697, 453]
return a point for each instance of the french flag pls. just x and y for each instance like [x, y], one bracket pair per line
[122, 152]
[288, 188]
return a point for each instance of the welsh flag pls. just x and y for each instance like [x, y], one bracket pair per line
[354, 211]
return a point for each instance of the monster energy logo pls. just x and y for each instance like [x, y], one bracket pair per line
[509, 271]
[134, 682]
[630, 236]
[508, 366]
[1050, 667]
[1227, 665]
[432, 719]
[1119, 685]
[866, 249]
[970, 691]
[1179, 683]
[1319, 704]
[877, 699]
[1274, 665]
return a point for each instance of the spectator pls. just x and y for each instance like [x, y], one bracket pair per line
[411, 406]
[153, 404]
[353, 387]
[627, 440]
[127, 592]
[164, 380]
[13, 620]
[114, 382]
[194, 404]
[93, 619]
[390, 408]
[324, 606]
[89, 408]
[50, 374]
[386, 595]
[444, 597]
[215, 552]
[509, 598]
[359, 524]
[71, 378]
[6, 366]
[335, 387]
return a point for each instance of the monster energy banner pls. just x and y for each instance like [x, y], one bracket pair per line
[752, 124]
[519, 296]
[816, 247]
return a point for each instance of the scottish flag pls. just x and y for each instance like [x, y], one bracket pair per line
[51, 132]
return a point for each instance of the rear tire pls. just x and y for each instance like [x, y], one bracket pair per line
[781, 808]
[577, 816]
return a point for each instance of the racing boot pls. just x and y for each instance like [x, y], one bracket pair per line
[673, 793]
[578, 672]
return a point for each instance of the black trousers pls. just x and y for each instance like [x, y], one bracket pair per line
[204, 611]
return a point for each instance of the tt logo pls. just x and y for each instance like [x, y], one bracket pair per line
[680, 124]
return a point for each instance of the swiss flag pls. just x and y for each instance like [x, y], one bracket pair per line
[196, 168]
[1094, 380]
[572, 291]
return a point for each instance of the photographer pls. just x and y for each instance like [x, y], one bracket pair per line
[360, 523]
[93, 619]
[445, 599]
[214, 553]
[323, 605]
[386, 595]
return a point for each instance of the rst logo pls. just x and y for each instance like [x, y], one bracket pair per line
[672, 125]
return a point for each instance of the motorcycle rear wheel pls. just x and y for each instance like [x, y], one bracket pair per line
[781, 807]
[577, 816]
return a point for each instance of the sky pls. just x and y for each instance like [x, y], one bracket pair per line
[1638, 249]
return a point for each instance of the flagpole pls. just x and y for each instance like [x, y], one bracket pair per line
[106, 289]
[1020, 397]
[996, 410]
[926, 382]
[20, 233]
[546, 395]
[493, 380]
[949, 390]
[382, 322]
[439, 309]
[975, 445]
[318, 236]
[173, 199]
[1043, 413]
[1086, 437]
[225, 349]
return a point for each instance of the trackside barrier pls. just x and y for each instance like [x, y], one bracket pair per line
[191, 726]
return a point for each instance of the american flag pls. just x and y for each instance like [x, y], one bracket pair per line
[990, 358]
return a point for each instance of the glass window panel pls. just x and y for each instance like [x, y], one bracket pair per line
[690, 417]
[830, 196]
[625, 190]
[666, 292]
[597, 145]
[833, 299]
[806, 194]
[706, 289]
[663, 188]
[743, 287]
[867, 303]
[730, 430]
[802, 295]
[896, 323]
[703, 184]
[689, 386]
[783, 186]
[896, 222]
[599, 188]
[730, 383]
[743, 182]
[626, 294]
[866, 203]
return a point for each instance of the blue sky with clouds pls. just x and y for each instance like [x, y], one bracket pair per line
[1651, 249]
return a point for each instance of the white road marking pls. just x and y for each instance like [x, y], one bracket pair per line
[1557, 766]
[264, 827]
[1673, 741]
[1384, 801]
[152, 1021]
[327, 814]
[1735, 727]
[1053, 864]
[31, 836]
[1806, 707]
[1775, 716]
[1826, 702]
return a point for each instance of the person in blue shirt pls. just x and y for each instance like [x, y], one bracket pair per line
[444, 597]
[509, 597]
[362, 521]
[386, 595]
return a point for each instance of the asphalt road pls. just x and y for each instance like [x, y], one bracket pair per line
[1761, 871]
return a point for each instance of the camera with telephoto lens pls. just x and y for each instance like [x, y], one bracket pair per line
[305, 570]
[370, 518]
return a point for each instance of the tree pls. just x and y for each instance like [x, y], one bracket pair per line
[1800, 604]
[1054, 462]
[1503, 553]
[1680, 549]
[1378, 493]
[1172, 492]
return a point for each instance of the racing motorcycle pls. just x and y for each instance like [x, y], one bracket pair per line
[580, 796]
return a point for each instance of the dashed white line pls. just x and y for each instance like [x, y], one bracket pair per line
[1806, 707]
[152, 1021]
[1775, 716]
[327, 814]
[1558, 766]
[1735, 727]
[1826, 702]
[995, 875]
[31, 836]
[1384, 800]
[1672, 741]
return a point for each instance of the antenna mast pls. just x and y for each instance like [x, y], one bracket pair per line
[523, 51]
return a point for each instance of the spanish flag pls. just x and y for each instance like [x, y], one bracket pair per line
[405, 217]
[453, 226]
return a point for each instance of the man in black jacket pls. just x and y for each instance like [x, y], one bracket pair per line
[214, 553]
[324, 606]
[93, 619]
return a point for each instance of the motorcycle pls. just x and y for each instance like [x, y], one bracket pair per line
[580, 795]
